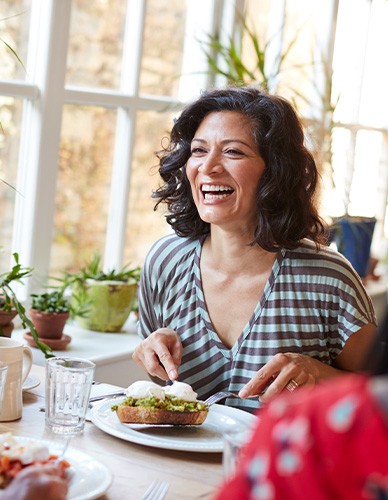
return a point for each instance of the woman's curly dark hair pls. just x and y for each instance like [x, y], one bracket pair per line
[286, 210]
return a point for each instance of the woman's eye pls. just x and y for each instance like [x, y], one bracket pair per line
[233, 152]
[197, 151]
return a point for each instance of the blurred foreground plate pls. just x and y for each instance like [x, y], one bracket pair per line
[89, 478]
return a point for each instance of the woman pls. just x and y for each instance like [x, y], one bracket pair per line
[245, 296]
[330, 442]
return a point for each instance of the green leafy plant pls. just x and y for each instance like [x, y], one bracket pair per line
[10, 302]
[226, 59]
[51, 302]
[93, 271]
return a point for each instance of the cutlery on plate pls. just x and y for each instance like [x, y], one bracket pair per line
[214, 398]
[106, 396]
[62, 454]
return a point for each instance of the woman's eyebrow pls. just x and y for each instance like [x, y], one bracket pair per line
[224, 141]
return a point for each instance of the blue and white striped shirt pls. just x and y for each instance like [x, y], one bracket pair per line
[311, 304]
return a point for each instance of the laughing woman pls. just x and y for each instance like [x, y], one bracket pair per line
[246, 296]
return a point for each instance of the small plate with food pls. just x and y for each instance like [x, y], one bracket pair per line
[88, 478]
[168, 417]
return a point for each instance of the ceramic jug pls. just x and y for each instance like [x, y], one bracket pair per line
[18, 358]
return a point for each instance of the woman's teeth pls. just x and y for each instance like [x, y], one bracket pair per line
[211, 192]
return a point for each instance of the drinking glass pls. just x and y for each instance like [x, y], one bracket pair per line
[68, 384]
[235, 439]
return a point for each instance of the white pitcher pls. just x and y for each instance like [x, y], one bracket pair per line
[18, 358]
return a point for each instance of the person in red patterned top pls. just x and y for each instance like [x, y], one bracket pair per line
[322, 443]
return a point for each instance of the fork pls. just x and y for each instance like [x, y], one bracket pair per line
[64, 450]
[156, 491]
[217, 396]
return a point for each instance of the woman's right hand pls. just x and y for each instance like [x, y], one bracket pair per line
[160, 354]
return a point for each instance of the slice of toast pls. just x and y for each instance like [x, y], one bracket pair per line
[146, 415]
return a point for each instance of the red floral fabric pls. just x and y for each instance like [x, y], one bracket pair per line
[329, 443]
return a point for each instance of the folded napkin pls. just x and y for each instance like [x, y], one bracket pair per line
[102, 390]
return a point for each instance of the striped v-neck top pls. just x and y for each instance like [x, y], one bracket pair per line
[311, 304]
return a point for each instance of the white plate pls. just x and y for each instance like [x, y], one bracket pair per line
[30, 382]
[202, 438]
[89, 478]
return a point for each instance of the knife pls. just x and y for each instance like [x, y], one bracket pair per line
[106, 396]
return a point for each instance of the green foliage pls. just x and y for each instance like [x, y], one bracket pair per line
[51, 302]
[93, 271]
[10, 302]
[227, 59]
[16, 274]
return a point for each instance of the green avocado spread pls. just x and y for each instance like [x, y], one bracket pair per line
[170, 403]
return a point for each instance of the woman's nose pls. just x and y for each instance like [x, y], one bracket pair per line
[210, 165]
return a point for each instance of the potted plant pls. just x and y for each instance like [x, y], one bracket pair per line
[10, 306]
[49, 313]
[102, 301]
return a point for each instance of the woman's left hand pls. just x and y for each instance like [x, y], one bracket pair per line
[286, 369]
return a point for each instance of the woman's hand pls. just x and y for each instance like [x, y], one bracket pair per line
[160, 354]
[284, 369]
[37, 482]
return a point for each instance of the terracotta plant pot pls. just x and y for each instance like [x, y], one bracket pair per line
[109, 304]
[49, 325]
[6, 323]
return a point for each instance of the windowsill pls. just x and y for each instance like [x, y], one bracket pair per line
[111, 352]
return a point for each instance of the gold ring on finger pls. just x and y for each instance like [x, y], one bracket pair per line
[292, 385]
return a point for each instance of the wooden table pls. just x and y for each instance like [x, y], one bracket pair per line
[191, 474]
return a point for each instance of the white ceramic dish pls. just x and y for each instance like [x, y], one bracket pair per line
[89, 478]
[205, 438]
[30, 383]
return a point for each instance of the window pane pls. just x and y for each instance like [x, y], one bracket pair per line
[14, 19]
[360, 74]
[85, 168]
[10, 119]
[95, 46]
[162, 47]
[374, 102]
[365, 181]
[144, 225]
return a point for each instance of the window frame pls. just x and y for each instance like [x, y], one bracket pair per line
[45, 94]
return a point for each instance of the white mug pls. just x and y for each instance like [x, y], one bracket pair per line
[18, 358]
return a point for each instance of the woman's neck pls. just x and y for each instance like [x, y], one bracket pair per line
[232, 252]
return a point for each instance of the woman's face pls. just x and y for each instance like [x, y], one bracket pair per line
[224, 170]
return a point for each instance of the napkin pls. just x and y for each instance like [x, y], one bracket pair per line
[101, 390]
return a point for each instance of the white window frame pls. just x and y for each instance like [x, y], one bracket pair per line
[45, 94]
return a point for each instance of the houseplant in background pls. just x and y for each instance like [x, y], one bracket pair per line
[49, 313]
[10, 306]
[102, 301]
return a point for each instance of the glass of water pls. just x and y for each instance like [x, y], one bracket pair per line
[235, 440]
[68, 384]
